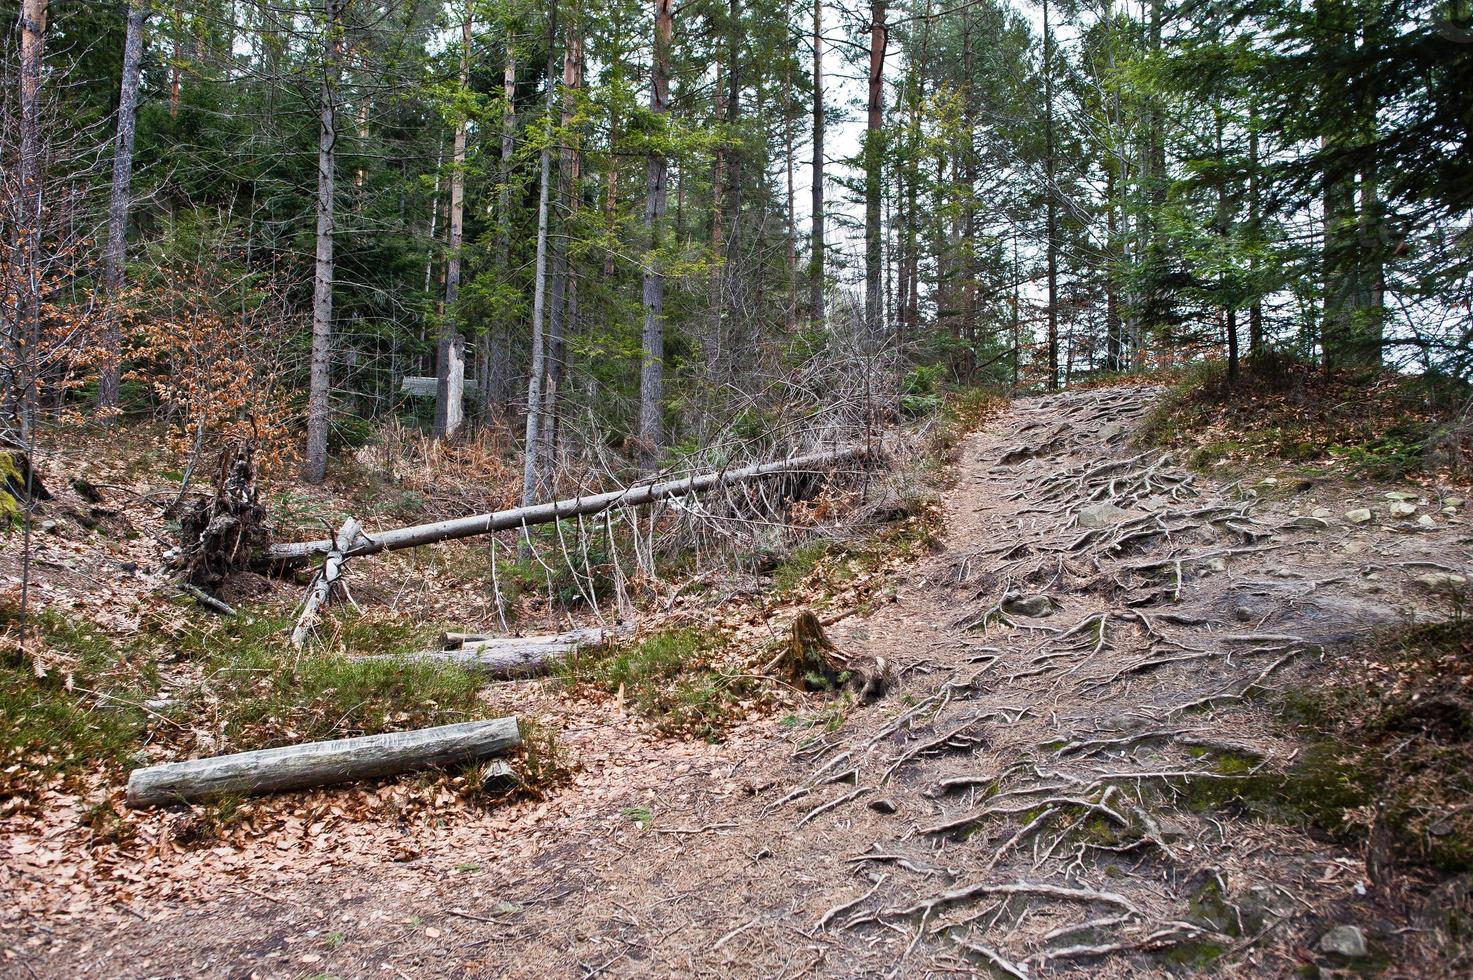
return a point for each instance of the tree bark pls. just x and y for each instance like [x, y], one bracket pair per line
[531, 453]
[564, 286]
[1051, 198]
[506, 658]
[652, 362]
[119, 202]
[546, 513]
[321, 763]
[314, 466]
[816, 258]
[496, 385]
[450, 363]
[874, 296]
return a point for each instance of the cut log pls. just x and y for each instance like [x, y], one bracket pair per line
[321, 763]
[505, 658]
[516, 517]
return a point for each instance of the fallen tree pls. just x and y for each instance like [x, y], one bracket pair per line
[505, 658]
[518, 517]
[351, 540]
[321, 763]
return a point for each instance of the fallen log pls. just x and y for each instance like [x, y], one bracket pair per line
[321, 763]
[348, 535]
[516, 517]
[506, 658]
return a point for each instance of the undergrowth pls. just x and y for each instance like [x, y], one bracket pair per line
[671, 678]
[186, 685]
[1383, 426]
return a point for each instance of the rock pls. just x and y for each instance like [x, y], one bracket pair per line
[1359, 515]
[1401, 495]
[1310, 523]
[1346, 941]
[1322, 513]
[1453, 502]
[1441, 581]
[1269, 481]
[1354, 547]
[1401, 508]
[1032, 605]
[1427, 520]
[1102, 515]
[1111, 430]
[883, 805]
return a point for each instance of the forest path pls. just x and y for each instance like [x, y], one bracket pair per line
[1038, 794]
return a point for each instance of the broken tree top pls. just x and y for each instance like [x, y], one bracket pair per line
[504, 520]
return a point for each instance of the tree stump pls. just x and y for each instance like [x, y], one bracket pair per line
[810, 661]
[221, 535]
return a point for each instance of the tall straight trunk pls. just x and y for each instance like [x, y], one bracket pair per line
[496, 384]
[816, 258]
[1224, 221]
[1051, 199]
[1255, 312]
[450, 364]
[969, 206]
[652, 364]
[23, 338]
[531, 451]
[119, 202]
[790, 307]
[874, 296]
[910, 272]
[174, 74]
[718, 230]
[1113, 345]
[564, 287]
[611, 191]
[314, 465]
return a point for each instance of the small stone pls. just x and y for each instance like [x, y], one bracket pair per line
[1102, 515]
[1401, 508]
[1450, 511]
[1354, 547]
[883, 805]
[1346, 941]
[1322, 513]
[1215, 564]
[1427, 520]
[1269, 481]
[1441, 581]
[1453, 502]
[1401, 495]
[1310, 523]
[1359, 515]
[1111, 430]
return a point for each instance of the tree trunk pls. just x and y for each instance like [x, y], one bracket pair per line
[496, 385]
[652, 365]
[874, 296]
[450, 363]
[1051, 198]
[531, 453]
[119, 202]
[564, 286]
[546, 513]
[314, 466]
[321, 763]
[816, 259]
[450, 348]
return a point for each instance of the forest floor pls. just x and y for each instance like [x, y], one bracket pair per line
[1146, 721]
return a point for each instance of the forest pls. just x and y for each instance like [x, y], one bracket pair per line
[984, 481]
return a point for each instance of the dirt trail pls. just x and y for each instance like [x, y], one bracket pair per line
[1075, 674]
